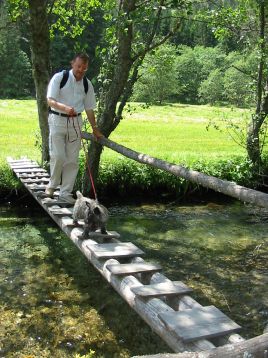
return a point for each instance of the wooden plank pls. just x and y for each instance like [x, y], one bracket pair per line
[36, 187]
[50, 202]
[33, 175]
[24, 166]
[199, 323]
[33, 170]
[35, 180]
[19, 161]
[60, 211]
[175, 288]
[115, 250]
[129, 269]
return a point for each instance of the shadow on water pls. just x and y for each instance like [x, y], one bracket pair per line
[54, 303]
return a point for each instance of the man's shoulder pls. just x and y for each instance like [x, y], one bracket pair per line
[57, 76]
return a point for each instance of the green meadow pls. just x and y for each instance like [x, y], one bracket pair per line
[174, 132]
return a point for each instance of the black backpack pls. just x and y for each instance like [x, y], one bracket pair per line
[65, 79]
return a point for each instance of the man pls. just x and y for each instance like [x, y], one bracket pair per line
[69, 94]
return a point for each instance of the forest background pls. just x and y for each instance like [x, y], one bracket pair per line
[216, 56]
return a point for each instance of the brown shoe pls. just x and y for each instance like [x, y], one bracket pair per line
[49, 192]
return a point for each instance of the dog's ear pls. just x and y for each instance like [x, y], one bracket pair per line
[79, 194]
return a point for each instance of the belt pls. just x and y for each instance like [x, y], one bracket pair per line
[62, 114]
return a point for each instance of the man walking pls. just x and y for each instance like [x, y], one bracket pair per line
[69, 93]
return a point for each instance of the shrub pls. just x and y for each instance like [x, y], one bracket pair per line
[157, 82]
[193, 67]
[211, 90]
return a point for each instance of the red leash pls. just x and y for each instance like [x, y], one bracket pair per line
[86, 155]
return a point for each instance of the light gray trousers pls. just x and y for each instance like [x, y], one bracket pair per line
[64, 146]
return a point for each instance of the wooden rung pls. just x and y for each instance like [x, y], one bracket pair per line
[33, 170]
[24, 166]
[199, 323]
[36, 187]
[129, 269]
[62, 211]
[175, 288]
[51, 202]
[18, 161]
[34, 175]
[113, 250]
[33, 180]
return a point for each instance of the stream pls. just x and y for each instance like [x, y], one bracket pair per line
[55, 304]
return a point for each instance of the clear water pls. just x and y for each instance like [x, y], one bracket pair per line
[54, 304]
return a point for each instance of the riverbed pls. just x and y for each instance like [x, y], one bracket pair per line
[55, 304]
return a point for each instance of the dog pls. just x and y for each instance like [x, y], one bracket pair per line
[94, 214]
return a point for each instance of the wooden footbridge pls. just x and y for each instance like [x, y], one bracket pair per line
[167, 306]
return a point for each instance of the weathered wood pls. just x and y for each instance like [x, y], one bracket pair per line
[115, 250]
[25, 166]
[52, 202]
[256, 347]
[222, 186]
[176, 288]
[129, 269]
[60, 211]
[33, 170]
[185, 303]
[33, 175]
[36, 187]
[32, 180]
[201, 322]
[19, 161]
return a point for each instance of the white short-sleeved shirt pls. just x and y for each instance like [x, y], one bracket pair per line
[72, 94]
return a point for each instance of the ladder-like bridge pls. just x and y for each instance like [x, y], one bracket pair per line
[167, 306]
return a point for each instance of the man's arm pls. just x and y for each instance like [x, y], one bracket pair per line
[62, 107]
[91, 118]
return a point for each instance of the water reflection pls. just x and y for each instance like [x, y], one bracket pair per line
[53, 303]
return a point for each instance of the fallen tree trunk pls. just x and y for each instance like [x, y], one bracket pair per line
[256, 347]
[222, 186]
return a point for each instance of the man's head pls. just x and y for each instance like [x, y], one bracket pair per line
[80, 65]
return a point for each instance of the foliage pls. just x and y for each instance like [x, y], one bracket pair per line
[239, 79]
[7, 180]
[157, 81]
[14, 61]
[211, 90]
[174, 133]
[193, 67]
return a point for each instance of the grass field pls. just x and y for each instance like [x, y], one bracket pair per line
[174, 132]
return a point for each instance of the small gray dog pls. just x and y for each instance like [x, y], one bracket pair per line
[94, 214]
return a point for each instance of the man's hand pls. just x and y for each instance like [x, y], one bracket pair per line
[97, 133]
[70, 111]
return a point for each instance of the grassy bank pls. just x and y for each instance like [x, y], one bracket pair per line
[176, 133]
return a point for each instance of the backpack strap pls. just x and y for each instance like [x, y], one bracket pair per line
[85, 84]
[65, 79]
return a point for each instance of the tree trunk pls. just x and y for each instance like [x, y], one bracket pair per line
[124, 73]
[119, 78]
[40, 63]
[222, 186]
[256, 347]
[253, 136]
